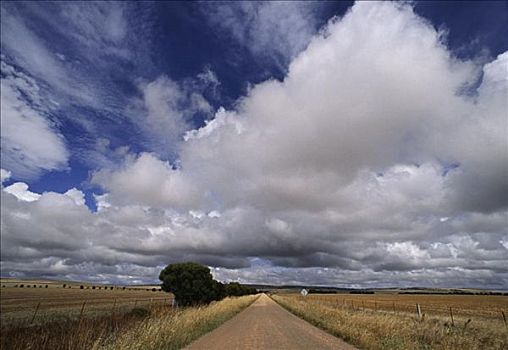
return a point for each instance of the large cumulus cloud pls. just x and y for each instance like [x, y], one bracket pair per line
[379, 159]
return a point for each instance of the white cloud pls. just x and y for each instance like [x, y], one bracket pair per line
[76, 195]
[165, 109]
[79, 77]
[20, 191]
[30, 143]
[275, 30]
[345, 165]
[27, 49]
[4, 175]
[146, 180]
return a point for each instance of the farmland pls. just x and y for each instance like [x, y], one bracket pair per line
[471, 306]
[391, 321]
[41, 314]
[159, 327]
[36, 302]
[81, 316]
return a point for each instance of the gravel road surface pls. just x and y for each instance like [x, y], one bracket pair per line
[266, 325]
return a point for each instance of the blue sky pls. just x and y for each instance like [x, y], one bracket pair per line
[172, 39]
[176, 113]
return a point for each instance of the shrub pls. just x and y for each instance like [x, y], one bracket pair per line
[191, 283]
[46, 286]
[21, 286]
[81, 287]
[93, 287]
[236, 289]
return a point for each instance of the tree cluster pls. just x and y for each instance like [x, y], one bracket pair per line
[193, 284]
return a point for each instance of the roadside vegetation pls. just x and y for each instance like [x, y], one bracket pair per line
[193, 284]
[122, 317]
[161, 327]
[379, 329]
[176, 330]
[34, 306]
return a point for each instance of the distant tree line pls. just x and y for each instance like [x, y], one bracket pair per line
[193, 284]
[457, 292]
[321, 291]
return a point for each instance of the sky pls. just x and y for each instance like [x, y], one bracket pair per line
[321, 143]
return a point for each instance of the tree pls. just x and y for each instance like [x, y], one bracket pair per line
[191, 283]
[236, 289]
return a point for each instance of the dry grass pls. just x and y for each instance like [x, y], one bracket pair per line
[18, 305]
[370, 329]
[471, 306]
[161, 328]
[60, 334]
[176, 330]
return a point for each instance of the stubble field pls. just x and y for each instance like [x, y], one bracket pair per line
[392, 321]
[36, 302]
[471, 306]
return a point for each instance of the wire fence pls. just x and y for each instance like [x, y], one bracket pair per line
[419, 309]
[35, 311]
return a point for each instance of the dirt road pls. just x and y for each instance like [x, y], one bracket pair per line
[266, 325]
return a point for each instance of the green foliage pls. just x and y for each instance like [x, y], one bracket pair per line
[193, 284]
[236, 289]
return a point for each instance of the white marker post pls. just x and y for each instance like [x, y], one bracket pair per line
[304, 292]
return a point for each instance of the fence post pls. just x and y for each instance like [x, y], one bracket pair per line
[363, 306]
[504, 319]
[81, 313]
[113, 309]
[451, 316]
[375, 305]
[393, 305]
[150, 307]
[35, 313]
[135, 303]
[419, 311]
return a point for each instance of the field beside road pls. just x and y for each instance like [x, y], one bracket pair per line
[34, 303]
[158, 327]
[471, 306]
[392, 321]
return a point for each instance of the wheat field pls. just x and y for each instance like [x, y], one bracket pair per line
[367, 325]
[34, 303]
[158, 327]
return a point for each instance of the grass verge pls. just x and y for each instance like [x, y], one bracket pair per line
[178, 329]
[383, 330]
[156, 328]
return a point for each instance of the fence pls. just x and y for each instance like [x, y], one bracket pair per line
[418, 308]
[43, 310]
